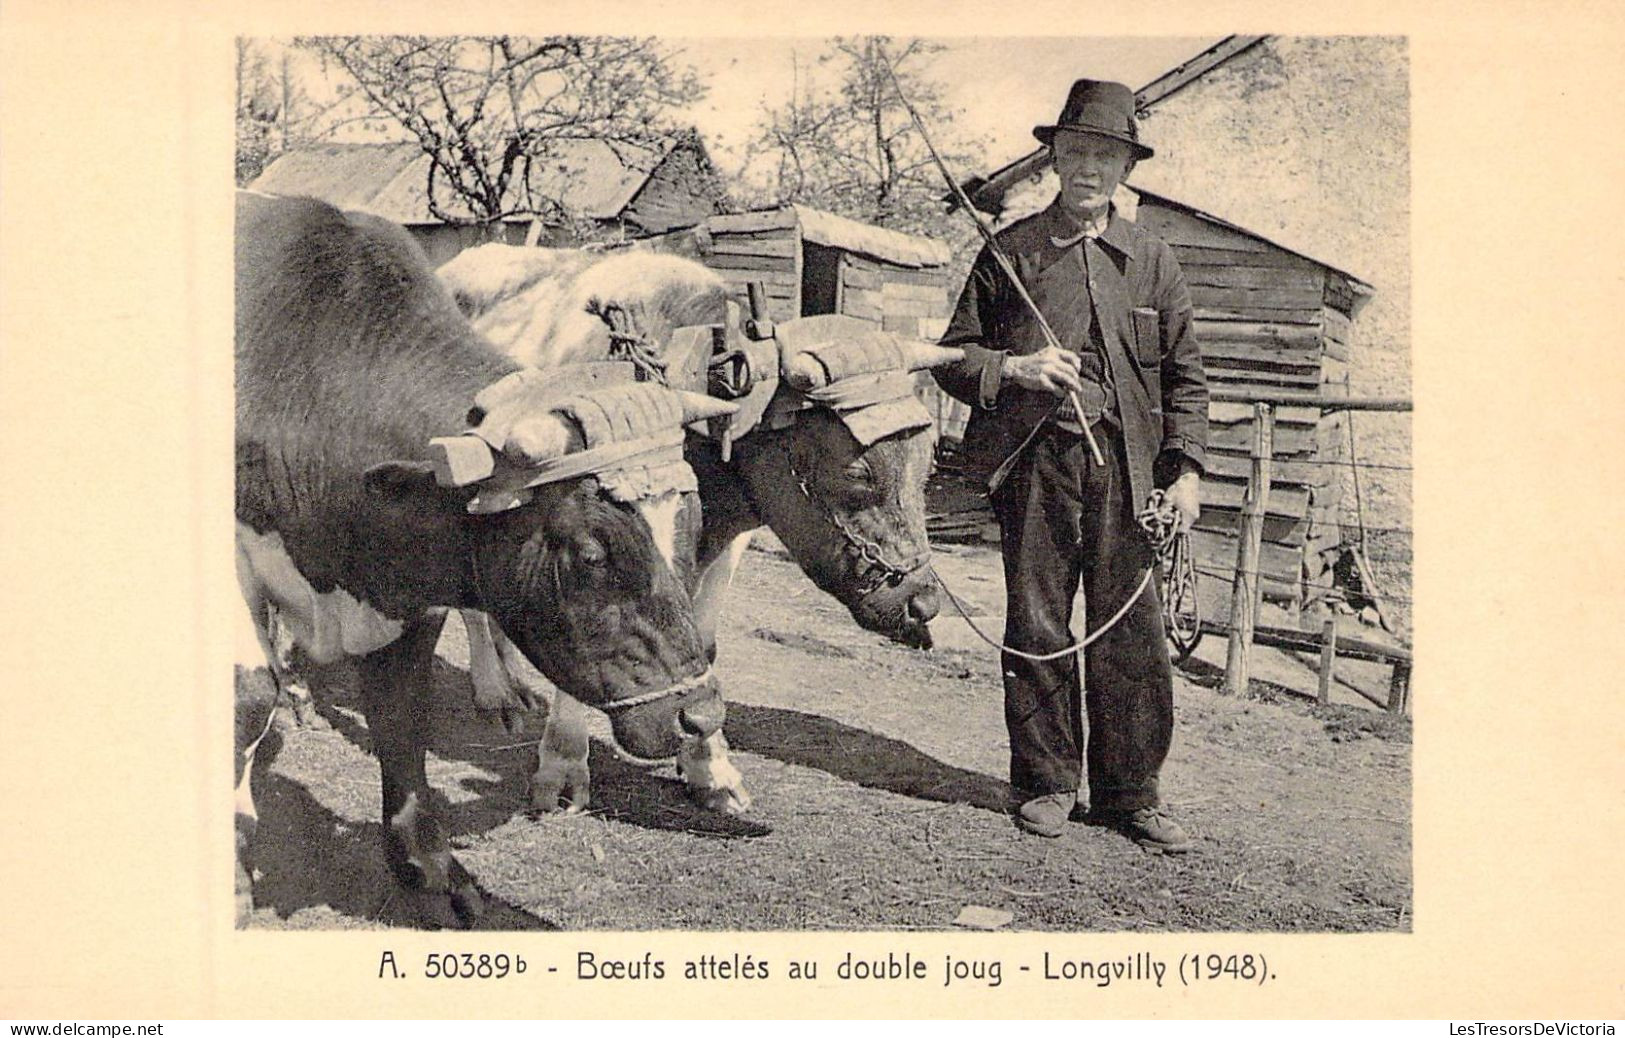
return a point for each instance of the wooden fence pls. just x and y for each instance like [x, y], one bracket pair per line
[1243, 629]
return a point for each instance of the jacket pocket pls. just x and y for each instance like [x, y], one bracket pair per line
[1147, 338]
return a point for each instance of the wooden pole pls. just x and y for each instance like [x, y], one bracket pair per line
[1328, 658]
[1246, 591]
[1399, 688]
[1284, 398]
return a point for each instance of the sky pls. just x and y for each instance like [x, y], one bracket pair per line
[1003, 87]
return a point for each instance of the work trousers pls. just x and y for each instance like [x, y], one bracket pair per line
[1066, 522]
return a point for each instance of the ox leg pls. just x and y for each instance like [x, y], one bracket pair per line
[716, 576]
[528, 689]
[499, 688]
[284, 667]
[255, 698]
[562, 779]
[712, 779]
[396, 692]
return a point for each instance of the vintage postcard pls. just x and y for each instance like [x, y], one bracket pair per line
[871, 513]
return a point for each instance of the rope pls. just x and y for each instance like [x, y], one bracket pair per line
[660, 693]
[627, 341]
[1159, 521]
[1145, 582]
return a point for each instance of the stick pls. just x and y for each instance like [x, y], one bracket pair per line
[1245, 593]
[1328, 658]
[997, 253]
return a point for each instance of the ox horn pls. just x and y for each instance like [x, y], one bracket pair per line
[697, 407]
[922, 355]
[805, 372]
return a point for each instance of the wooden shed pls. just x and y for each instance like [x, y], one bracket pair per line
[1266, 318]
[813, 262]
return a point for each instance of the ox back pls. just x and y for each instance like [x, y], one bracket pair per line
[349, 353]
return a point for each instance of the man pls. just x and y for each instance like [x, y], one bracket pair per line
[1117, 302]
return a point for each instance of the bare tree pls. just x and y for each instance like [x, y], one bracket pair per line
[856, 152]
[487, 110]
[274, 112]
[255, 111]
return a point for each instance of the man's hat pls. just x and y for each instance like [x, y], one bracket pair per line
[1095, 106]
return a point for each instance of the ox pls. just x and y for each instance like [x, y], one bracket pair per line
[842, 487]
[351, 357]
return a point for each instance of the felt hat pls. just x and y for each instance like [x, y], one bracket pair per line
[1095, 106]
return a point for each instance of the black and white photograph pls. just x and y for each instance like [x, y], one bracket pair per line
[879, 482]
[521, 513]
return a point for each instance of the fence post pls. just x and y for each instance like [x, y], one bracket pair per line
[1399, 688]
[1246, 592]
[1328, 658]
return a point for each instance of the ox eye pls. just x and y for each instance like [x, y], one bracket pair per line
[591, 553]
[859, 472]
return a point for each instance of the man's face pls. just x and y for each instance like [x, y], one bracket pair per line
[1090, 167]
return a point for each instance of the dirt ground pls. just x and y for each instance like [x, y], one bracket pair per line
[880, 801]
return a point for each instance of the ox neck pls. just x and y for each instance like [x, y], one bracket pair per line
[727, 505]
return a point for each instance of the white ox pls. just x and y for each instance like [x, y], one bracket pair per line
[844, 490]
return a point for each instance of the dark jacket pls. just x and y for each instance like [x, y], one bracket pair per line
[1153, 357]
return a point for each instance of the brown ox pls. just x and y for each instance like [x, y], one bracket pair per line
[350, 359]
[841, 486]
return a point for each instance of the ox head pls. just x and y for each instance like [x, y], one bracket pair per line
[581, 530]
[838, 469]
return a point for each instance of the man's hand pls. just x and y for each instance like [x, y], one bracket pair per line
[1186, 496]
[1048, 371]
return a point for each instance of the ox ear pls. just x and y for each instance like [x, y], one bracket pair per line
[411, 483]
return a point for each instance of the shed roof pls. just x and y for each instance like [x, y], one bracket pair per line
[589, 177]
[1361, 289]
[822, 228]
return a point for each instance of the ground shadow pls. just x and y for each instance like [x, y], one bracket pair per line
[308, 857]
[634, 793]
[859, 756]
[630, 793]
[622, 790]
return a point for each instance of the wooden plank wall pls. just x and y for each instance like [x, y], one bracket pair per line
[910, 301]
[771, 256]
[1265, 321]
[862, 284]
[669, 198]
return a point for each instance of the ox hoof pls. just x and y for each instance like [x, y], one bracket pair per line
[244, 897]
[560, 787]
[713, 781]
[726, 801]
[299, 713]
[459, 909]
[507, 716]
[441, 890]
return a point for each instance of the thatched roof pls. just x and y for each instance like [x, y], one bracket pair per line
[590, 178]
